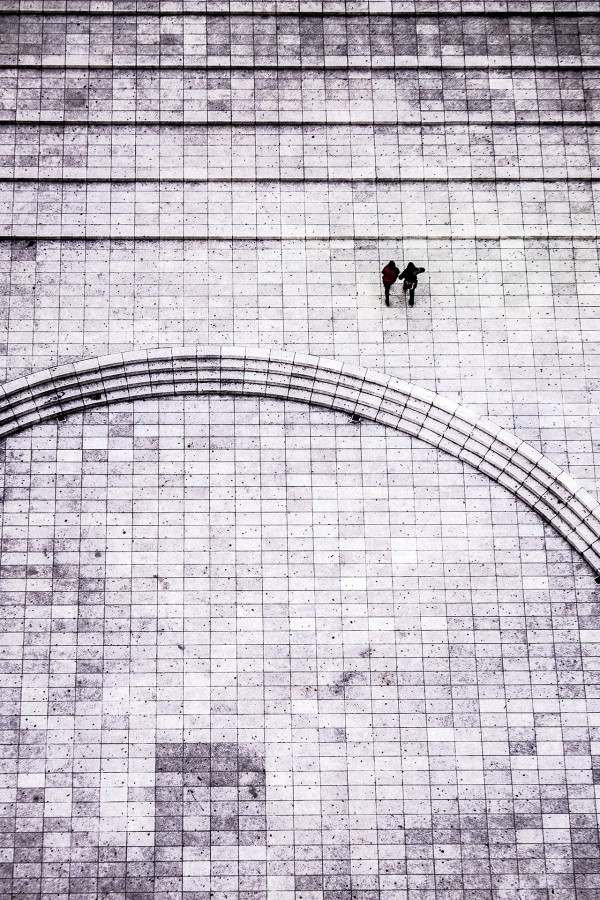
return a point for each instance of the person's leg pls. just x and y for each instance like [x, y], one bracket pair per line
[387, 294]
[411, 301]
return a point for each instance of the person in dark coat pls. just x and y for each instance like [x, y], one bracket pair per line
[389, 274]
[410, 281]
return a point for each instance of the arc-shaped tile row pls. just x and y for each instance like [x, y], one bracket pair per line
[544, 486]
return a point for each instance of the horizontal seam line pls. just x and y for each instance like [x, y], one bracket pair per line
[256, 239]
[276, 123]
[300, 67]
[437, 179]
[290, 14]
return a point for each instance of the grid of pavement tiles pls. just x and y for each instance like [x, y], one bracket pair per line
[509, 328]
[253, 650]
[361, 393]
[367, 687]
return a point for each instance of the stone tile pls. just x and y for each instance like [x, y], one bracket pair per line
[253, 649]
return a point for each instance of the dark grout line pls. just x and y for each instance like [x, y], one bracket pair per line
[300, 67]
[292, 123]
[424, 179]
[129, 238]
[299, 14]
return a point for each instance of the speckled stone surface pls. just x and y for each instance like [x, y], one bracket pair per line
[254, 649]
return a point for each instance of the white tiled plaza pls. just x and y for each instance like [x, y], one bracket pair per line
[281, 617]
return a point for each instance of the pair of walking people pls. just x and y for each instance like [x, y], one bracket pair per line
[391, 273]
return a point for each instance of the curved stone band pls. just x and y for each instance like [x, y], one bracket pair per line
[123, 377]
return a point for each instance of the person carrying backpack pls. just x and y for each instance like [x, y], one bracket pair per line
[410, 281]
[389, 275]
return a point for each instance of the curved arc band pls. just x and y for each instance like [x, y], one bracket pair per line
[123, 377]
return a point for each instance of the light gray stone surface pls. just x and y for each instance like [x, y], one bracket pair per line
[365, 394]
[253, 649]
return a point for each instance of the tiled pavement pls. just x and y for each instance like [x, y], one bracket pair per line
[402, 647]
[253, 649]
[508, 327]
